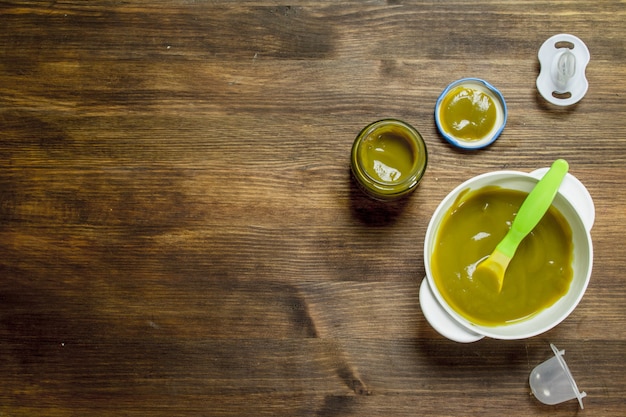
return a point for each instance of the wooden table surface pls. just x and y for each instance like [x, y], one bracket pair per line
[180, 234]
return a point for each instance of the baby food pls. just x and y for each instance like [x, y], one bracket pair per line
[388, 156]
[468, 113]
[388, 159]
[539, 274]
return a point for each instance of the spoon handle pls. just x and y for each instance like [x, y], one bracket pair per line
[534, 207]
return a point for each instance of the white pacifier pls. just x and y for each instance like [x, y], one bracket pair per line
[563, 60]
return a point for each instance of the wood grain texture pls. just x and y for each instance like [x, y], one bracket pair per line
[180, 234]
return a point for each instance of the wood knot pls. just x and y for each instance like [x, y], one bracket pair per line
[359, 388]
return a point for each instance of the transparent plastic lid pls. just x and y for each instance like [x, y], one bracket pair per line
[552, 382]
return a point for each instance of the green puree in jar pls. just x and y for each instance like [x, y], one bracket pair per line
[468, 113]
[539, 274]
[387, 157]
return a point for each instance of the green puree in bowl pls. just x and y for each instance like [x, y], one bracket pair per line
[539, 274]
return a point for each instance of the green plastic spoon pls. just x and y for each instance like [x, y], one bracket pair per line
[491, 270]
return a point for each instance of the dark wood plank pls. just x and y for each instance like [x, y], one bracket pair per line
[180, 234]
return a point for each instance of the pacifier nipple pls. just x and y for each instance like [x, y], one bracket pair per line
[563, 60]
[565, 70]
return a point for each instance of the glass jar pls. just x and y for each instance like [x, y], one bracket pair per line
[388, 159]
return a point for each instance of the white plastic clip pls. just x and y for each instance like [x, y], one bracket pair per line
[563, 60]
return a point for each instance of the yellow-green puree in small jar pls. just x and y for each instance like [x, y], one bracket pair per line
[388, 159]
[468, 113]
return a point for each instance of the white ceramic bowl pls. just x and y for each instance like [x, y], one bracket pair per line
[573, 201]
